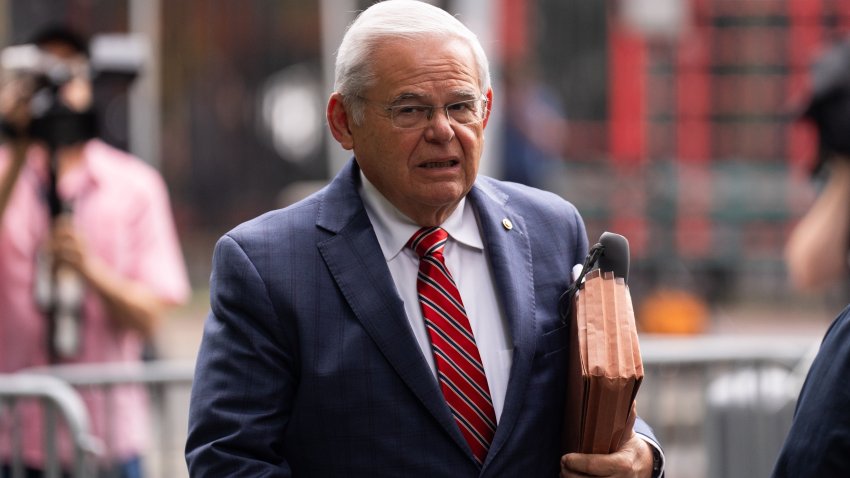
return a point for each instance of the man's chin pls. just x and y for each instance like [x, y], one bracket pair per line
[443, 195]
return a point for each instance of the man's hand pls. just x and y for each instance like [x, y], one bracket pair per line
[132, 304]
[68, 247]
[632, 460]
[15, 96]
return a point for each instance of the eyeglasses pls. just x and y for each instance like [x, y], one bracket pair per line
[417, 116]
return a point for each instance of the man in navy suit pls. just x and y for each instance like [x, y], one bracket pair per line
[818, 441]
[315, 359]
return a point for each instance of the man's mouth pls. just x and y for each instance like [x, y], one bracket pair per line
[439, 164]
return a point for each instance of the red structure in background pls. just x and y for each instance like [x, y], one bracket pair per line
[683, 139]
[627, 126]
[513, 29]
[721, 92]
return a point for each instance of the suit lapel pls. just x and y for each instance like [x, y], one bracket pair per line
[509, 252]
[356, 263]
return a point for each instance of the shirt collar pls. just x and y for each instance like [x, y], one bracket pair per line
[77, 180]
[394, 229]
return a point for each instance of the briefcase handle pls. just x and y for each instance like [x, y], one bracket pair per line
[610, 254]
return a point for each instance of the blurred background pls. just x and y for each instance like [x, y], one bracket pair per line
[668, 121]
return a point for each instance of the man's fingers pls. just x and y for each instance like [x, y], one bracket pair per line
[624, 463]
[582, 465]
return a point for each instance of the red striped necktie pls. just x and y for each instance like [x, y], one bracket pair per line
[459, 368]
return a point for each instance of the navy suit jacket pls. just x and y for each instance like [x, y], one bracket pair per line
[818, 443]
[308, 366]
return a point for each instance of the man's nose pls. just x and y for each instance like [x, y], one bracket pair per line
[440, 127]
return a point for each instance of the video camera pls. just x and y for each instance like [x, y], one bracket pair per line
[828, 105]
[113, 57]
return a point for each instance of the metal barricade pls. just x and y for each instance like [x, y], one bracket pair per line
[722, 405]
[60, 404]
[168, 384]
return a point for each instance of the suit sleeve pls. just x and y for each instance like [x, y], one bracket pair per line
[245, 377]
[643, 430]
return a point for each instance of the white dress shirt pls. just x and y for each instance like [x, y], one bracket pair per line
[465, 259]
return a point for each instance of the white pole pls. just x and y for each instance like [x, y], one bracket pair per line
[480, 16]
[144, 120]
[335, 15]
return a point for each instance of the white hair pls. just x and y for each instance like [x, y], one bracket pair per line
[407, 19]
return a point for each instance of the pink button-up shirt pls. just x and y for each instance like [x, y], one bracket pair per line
[121, 208]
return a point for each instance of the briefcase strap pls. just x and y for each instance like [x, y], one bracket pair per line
[565, 302]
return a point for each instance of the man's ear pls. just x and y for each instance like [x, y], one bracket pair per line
[338, 122]
[489, 107]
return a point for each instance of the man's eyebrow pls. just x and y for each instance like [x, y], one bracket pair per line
[466, 95]
[457, 95]
[408, 97]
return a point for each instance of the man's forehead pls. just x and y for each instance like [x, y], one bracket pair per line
[413, 66]
[444, 76]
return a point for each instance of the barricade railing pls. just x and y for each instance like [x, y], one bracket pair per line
[60, 403]
[721, 405]
[168, 384]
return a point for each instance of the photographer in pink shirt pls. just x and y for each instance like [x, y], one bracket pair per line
[85, 273]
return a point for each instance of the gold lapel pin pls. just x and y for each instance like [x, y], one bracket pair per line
[507, 224]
